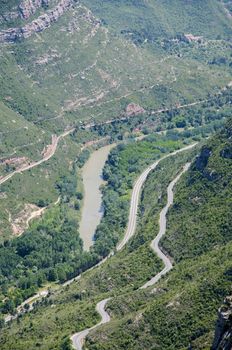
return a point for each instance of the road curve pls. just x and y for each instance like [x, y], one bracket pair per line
[44, 159]
[30, 301]
[163, 224]
[136, 194]
[79, 338]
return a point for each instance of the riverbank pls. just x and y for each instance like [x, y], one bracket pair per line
[92, 210]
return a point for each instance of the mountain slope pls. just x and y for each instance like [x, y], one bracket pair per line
[151, 65]
[153, 19]
[201, 216]
[181, 310]
[78, 70]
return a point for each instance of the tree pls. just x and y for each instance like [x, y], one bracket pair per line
[2, 322]
[52, 275]
[79, 195]
[66, 344]
[9, 306]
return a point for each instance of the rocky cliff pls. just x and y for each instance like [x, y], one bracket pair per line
[223, 332]
[29, 7]
[24, 10]
[42, 22]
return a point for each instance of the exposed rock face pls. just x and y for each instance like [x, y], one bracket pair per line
[134, 109]
[29, 7]
[223, 332]
[202, 160]
[202, 164]
[24, 10]
[190, 37]
[38, 25]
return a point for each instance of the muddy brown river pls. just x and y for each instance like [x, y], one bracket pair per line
[92, 210]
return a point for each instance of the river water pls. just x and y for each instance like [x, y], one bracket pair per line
[92, 205]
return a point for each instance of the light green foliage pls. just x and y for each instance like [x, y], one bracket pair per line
[154, 19]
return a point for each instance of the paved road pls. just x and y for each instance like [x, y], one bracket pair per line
[129, 232]
[79, 338]
[30, 301]
[131, 227]
[162, 224]
[44, 159]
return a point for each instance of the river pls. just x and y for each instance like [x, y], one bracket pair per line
[92, 210]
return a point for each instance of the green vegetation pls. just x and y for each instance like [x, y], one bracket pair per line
[122, 273]
[182, 308]
[76, 72]
[35, 186]
[181, 311]
[124, 164]
[201, 216]
[87, 68]
[152, 20]
[52, 250]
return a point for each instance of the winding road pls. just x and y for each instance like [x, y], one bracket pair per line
[129, 233]
[48, 155]
[78, 338]
[163, 225]
[131, 227]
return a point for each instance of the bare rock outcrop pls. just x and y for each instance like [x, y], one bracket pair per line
[134, 109]
[29, 7]
[24, 10]
[38, 25]
[223, 331]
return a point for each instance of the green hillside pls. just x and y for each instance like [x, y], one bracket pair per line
[150, 76]
[180, 310]
[206, 196]
[76, 302]
[82, 70]
[155, 19]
